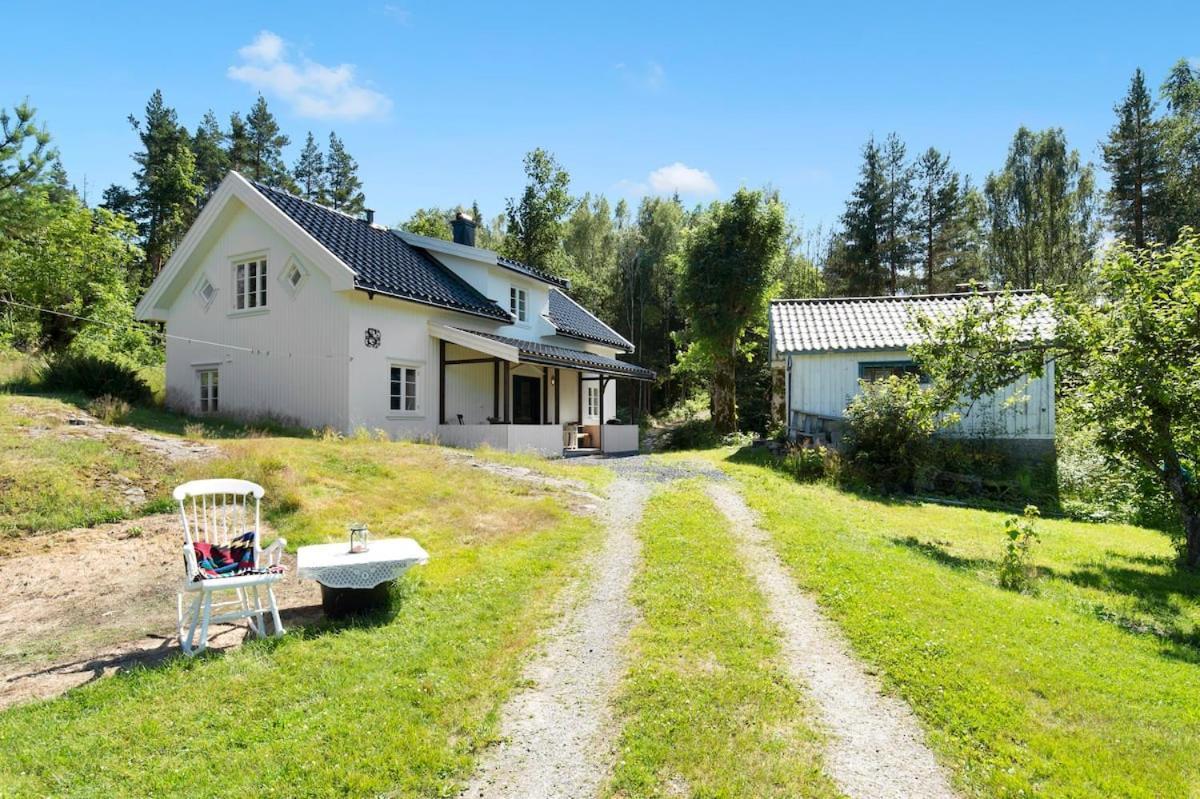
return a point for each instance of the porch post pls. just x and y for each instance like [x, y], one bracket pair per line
[557, 413]
[603, 380]
[545, 395]
[496, 388]
[441, 381]
[579, 398]
[504, 389]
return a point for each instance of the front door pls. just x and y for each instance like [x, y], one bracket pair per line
[527, 400]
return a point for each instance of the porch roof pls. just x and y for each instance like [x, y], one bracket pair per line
[551, 355]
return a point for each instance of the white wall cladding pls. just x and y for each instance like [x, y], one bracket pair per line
[303, 372]
[824, 383]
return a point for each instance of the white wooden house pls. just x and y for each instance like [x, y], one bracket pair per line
[824, 347]
[277, 306]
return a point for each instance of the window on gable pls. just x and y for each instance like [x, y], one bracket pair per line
[210, 390]
[593, 400]
[404, 389]
[205, 291]
[881, 370]
[250, 284]
[518, 303]
[293, 276]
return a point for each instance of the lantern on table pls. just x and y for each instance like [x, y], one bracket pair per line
[359, 534]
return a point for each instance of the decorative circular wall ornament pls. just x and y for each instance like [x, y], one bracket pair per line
[373, 338]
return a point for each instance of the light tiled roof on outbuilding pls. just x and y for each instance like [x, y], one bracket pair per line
[871, 323]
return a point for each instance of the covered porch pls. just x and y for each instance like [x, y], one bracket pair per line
[525, 396]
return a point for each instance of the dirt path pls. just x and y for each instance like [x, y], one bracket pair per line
[82, 604]
[558, 735]
[877, 749]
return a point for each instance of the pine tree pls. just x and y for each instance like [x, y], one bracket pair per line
[1134, 157]
[165, 181]
[1181, 148]
[309, 171]
[345, 189]
[858, 268]
[212, 160]
[896, 244]
[266, 147]
[21, 164]
[239, 152]
[938, 206]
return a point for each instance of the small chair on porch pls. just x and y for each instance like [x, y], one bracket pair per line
[223, 552]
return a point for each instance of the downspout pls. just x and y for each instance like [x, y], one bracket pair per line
[787, 397]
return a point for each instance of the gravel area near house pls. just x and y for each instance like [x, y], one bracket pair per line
[876, 746]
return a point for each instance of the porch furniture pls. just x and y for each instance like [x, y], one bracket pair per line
[353, 582]
[216, 512]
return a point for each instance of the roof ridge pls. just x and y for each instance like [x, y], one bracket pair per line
[904, 297]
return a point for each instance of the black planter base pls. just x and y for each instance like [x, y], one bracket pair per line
[341, 602]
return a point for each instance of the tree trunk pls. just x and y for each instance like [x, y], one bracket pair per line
[724, 396]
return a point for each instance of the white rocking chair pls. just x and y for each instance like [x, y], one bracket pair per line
[217, 515]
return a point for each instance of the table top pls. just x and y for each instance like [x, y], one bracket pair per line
[337, 563]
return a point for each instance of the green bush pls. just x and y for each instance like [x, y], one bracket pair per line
[110, 410]
[809, 464]
[95, 377]
[695, 433]
[1017, 572]
[889, 430]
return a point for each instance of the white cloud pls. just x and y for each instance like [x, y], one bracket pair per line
[312, 89]
[681, 178]
[650, 78]
[398, 13]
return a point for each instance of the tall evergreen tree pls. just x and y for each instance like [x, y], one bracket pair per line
[240, 151]
[938, 207]
[1134, 157]
[309, 171]
[24, 148]
[1181, 148]
[166, 186]
[266, 144]
[535, 222]
[212, 160]
[858, 268]
[1041, 209]
[896, 228]
[345, 189]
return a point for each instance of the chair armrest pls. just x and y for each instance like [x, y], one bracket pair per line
[189, 562]
[273, 553]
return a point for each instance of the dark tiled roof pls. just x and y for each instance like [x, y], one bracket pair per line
[535, 352]
[872, 323]
[381, 260]
[572, 319]
[533, 272]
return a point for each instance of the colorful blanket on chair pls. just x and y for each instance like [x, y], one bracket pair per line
[235, 560]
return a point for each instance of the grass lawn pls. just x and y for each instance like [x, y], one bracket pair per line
[396, 706]
[707, 708]
[1087, 688]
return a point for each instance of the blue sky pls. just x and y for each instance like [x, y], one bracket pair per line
[439, 101]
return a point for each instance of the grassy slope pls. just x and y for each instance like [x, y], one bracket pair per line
[707, 708]
[1086, 689]
[398, 706]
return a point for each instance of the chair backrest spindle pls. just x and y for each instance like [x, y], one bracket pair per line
[218, 512]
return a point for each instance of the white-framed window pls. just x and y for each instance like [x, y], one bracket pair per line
[518, 303]
[593, 400]
[250, 284]
[210, 390]
[205, 291]
[292, 276]
[404, 389]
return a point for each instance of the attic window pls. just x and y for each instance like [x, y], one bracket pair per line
[518, 302]
[293, 276]
[206, 292]
[250, 284]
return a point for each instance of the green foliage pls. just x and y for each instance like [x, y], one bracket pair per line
[309, 172]
[1016, 569]
[810, 464]
[212, 159]
[1181, 148]
[265, 143]
[535, 222]
[889, 429]
[95, 377]
[730, 257]
[1134, 157]
[109, 409]
[344, 186]
[25, 149]
[431, 222]
[1041, 208]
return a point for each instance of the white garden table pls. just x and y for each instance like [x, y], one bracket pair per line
[357, 581]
